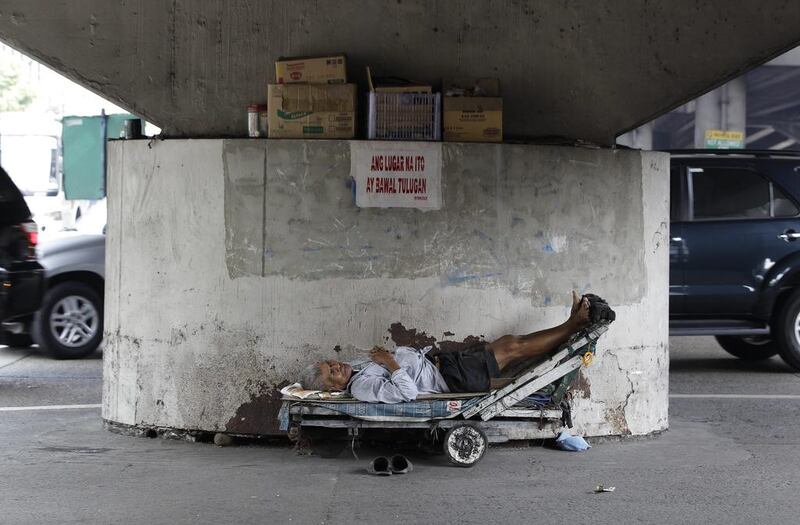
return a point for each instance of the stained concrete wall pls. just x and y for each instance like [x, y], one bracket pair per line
[587, 69]
[233, 263]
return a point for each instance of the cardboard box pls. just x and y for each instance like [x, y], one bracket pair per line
[475, 114]
[301, 111]
[312, 70]
[473, 119]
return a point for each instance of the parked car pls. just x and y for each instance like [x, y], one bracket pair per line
[734, 250]
[69, 324]
[21, 275]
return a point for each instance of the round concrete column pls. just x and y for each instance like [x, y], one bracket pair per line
[264, 264]
[735, 105]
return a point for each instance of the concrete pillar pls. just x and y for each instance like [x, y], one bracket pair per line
[264, 263]
[724, 108]
[735, 105]
[707, 116]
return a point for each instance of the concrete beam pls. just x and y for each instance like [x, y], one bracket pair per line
[582, 69]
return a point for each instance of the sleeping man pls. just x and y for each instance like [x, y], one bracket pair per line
[403, 375]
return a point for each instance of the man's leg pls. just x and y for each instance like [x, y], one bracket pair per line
[511, 348]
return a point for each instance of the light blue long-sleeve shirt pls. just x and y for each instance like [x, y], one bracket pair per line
[416, 375]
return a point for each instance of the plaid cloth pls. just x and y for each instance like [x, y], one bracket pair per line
[412, 411]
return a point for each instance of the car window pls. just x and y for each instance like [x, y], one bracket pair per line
[782, 206]
[722, 193]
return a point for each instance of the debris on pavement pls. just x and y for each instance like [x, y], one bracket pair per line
[566, 441]
[602, 488]
[222, 440]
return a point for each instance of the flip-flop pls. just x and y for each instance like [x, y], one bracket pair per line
[400, 464]
[379, 466]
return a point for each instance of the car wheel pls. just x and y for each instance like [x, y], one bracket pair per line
[69, 324]
[749, 348]
[788, 336]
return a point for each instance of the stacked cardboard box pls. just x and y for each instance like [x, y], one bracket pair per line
[312, 99]
[312, 110]
[313, 70]
[473, 110]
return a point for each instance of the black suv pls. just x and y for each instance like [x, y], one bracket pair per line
[734, 250]
[21, 276]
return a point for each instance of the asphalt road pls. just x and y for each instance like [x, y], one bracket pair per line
[730, 456]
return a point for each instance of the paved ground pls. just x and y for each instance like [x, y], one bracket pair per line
[725, 460]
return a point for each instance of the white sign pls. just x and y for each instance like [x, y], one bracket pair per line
[397, 174]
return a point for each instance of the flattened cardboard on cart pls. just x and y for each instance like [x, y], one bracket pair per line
[312, 111]
[312, 70]
[473, 110]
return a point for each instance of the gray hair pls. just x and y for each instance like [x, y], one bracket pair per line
[311, 378]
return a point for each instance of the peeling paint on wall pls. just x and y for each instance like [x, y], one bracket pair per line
[257, 416]
[402, 336]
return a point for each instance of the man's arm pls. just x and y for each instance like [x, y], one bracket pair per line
[399, 387]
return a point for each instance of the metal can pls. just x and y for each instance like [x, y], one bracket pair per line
[252, 121]
[132, 129]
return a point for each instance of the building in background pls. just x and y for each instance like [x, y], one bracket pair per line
[758, 110]
[29, 151]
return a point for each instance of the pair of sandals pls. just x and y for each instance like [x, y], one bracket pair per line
[383, 466]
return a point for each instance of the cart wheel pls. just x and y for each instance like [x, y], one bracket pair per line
[465, 445]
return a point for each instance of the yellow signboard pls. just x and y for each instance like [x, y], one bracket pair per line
[721, 139]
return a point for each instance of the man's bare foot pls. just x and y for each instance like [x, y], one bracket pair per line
[579, 314]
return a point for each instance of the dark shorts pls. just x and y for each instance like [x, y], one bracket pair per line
[469, 370]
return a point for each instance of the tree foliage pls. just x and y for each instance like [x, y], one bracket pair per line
[15, 95]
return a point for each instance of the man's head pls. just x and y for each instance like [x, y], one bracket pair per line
[327, 375]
